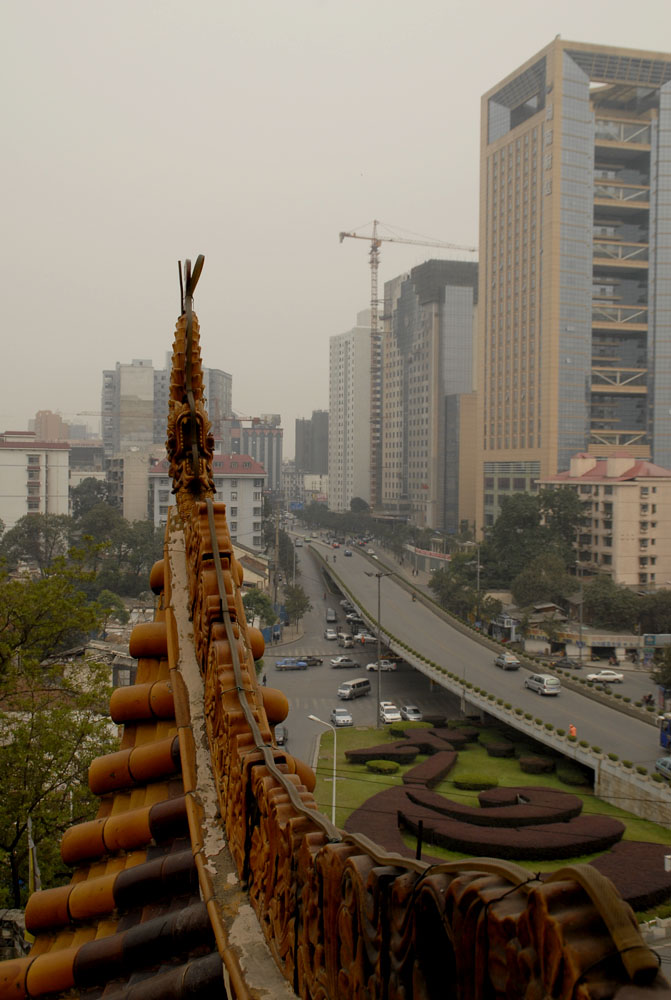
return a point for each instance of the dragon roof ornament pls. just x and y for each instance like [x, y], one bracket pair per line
[190, 445]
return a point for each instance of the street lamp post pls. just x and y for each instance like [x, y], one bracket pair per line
[333, 729]
[378, 576]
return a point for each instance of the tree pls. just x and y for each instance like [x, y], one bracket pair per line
[662, 673]
[86, 495]
[607, 605]
[544, 579]
[41, 617]
[49, 733]
[111, 608]
[38, 539]
[453, 593]
[359, 506]
[51, 722]
[296, 602]
[258, 603]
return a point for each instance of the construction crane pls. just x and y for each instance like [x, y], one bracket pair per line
[375, 240]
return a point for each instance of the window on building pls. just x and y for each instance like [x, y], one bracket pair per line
[234, 483]
[33, 459]
[234, 525]
[234, 496]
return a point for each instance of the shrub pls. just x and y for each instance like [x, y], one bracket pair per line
[539, 722]
[549, 726]
[382, 766]
[596, 750]
[507, 705]
[627, 763]
[572, 774]
[650, 708]
[502, 749]
[613, 756]
[657, 777]
[583, 743]
[528, 715]
[518, 711]
[499, 701]
[641, 770]
[626, 699]
[537, 765]
[617, 694]
[475, 782]
[573, 739]
[561, 732]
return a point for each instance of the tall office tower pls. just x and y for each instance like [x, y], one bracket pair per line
[312, 441]
[349, 448]
[428, 427]
[575, 251]
[128, 406]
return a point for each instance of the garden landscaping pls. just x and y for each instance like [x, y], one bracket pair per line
[496, 806]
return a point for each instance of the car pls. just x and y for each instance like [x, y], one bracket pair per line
[411, 713]
[291, 663]
[364, 637]
[346, 641]
[663, 767]
[370, 552]
[343, 661]
[281, 735]
[606, 677]
[335, 545]
[507, 661]
[348, 552]
[330, 633]
[389, 713]
[384, 665]
[353, 616]
[543, 683]
[341, 717]
[314, 661]
[567, 663]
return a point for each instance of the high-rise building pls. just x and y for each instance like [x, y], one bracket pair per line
[33, 476]
[312, 441]
[262, 438]
[349, 449]
[575, 258]
[135, 405]
[427, 372]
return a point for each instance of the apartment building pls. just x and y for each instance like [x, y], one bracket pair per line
[627, 505]
[33, 476]
[349, 442]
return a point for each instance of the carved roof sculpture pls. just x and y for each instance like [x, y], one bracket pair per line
[209, 871]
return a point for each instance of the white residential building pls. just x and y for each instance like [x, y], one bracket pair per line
[627, 505]
[349, 415]
[239, 481]
[33, 476]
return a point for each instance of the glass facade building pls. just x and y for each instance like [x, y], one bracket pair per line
[575, 257]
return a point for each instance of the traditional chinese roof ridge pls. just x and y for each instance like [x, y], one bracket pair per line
[639, 469]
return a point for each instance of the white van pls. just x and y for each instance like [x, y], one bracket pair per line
[354, 689]
[543, 683]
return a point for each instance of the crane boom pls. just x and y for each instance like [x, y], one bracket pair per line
[376, 241]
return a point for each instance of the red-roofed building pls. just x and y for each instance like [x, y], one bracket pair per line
[627, 504]
[240, 482]
[33, 476]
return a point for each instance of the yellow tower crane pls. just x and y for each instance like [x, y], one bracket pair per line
[375, 240]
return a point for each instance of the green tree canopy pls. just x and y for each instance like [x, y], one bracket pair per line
[38, 539]
[86, 495]
[607, 605]
[51, 722]
[258, 603]
[544, 579]
[296, 602]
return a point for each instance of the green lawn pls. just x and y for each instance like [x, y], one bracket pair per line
[355, 785]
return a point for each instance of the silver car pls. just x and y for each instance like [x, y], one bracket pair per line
[341, 717]
[411, 713]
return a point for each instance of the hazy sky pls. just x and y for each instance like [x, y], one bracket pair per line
[138, 133]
